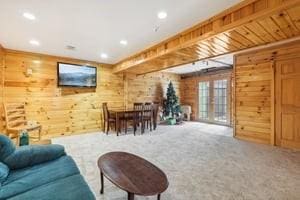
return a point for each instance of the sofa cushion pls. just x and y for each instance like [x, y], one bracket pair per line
[4, 171]
[7, 147]
[26, 156]
[70, 188]
[22, 180]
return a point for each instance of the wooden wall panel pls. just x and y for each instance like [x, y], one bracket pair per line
[252, 101]
[255, 91]
[66, 111]
[61, 111]
[250, 23]
[150, 87]
[189, 92]
[189, 89]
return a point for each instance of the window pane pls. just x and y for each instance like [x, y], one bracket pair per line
[204, 100]
[220, 100]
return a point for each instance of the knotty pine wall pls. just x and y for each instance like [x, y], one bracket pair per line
[61, 111]
[253, 101]
[67, 111]
[255, 94]
[151, 87]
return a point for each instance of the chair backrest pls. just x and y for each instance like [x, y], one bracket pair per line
[155, 111]
[15, 115]
[105, 111]
[156, 102]
[148, 106]
[138, 106]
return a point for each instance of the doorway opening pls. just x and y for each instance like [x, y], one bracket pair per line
[214, 101]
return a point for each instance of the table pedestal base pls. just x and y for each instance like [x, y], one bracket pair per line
[130, 196]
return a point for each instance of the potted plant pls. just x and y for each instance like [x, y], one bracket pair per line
[172, 108]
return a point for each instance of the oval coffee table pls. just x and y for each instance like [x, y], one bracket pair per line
[132, 174]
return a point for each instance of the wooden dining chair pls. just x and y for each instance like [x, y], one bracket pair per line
[16, 121]
[109, 118]
[147, 115]
[155, 114]
[138, 107]
[132, 118]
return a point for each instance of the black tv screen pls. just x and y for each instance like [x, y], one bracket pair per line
[72, 75]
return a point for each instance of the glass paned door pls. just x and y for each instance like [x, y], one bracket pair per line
[204, 100]
[220, 100]
[214, 102]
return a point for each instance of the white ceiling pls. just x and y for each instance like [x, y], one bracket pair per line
[97, 26]
[217, 62]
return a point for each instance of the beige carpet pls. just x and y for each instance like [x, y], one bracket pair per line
[202, 162]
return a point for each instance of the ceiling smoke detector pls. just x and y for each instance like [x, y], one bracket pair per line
[156, 29]
[70, 47]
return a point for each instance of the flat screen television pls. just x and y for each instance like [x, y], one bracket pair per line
[72, 75]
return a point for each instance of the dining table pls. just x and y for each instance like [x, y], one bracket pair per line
[136, 116]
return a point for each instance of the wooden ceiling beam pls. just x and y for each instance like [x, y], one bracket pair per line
[248, 24]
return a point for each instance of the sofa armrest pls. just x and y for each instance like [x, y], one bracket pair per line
[27, 156]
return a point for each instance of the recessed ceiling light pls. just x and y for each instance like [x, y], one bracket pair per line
[104, 55]
[34, 42]
[29, 16]
[124, 42]
[162, 15]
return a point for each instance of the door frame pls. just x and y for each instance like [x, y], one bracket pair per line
[275, 101]
[211, 79]
[278, 52]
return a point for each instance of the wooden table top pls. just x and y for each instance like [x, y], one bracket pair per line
[129, 111]
[133, 174]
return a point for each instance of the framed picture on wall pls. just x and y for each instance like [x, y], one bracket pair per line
[72, 75]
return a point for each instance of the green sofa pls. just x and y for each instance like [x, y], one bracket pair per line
[39, 172]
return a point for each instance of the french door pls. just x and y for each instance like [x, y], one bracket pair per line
[214, 101]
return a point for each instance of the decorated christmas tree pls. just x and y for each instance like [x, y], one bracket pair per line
[171, 105]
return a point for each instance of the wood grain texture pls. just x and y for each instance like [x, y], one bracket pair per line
[61, 111]
[151, 87]
[288, 103]
[255, 91]
[66, 111]
[253, 97]
[16, 121]
[248, 24]
[132, 174]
